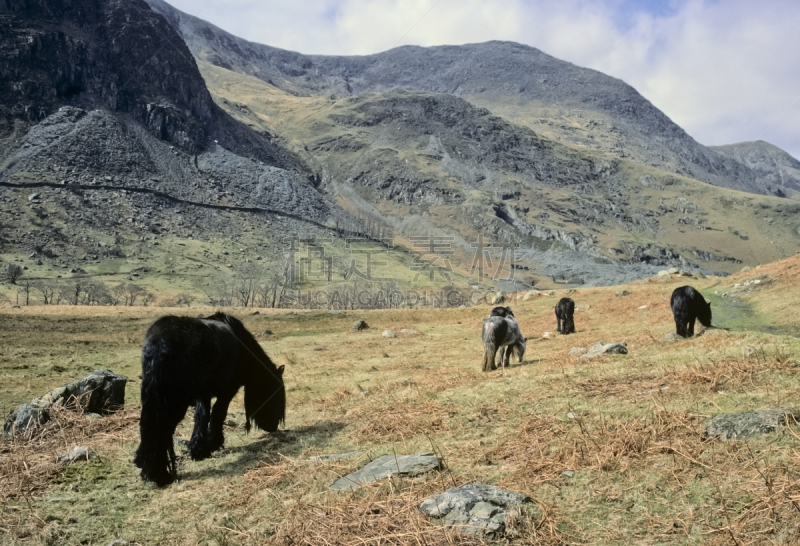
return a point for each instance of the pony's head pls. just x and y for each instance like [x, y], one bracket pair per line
[519, 349]
[264, 393]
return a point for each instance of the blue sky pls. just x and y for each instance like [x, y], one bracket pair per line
[724, 70]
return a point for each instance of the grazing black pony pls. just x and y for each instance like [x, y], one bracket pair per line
[565, 312]
[187, 361]
[687, 305]
[503, 333]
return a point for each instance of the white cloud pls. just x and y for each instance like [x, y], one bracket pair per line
[724, 71]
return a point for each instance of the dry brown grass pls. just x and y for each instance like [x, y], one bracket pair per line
[627, 430]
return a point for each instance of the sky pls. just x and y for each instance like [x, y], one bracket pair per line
[725, 70]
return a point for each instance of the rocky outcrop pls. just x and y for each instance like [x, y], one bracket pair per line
[735, 426]
[474, 508]
[119, 56]
[100, 392]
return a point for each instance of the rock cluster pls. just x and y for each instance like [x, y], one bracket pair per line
[101, 391]
[474, 508]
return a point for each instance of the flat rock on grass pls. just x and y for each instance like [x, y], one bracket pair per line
[734, 426]
[474, 508]
[600, 348]
[387, 466]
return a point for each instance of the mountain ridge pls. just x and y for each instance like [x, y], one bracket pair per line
[505, 77]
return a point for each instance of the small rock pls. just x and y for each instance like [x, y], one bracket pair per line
[621, 293]
[733, 426]
[663, 273]
[546, 334]
[747, 352]
[672, 336]
[672, 270]
[600, 348]
[551, 293]
[78, 453]
[255, 313]
[360, 325]
[568, 473]
[34, 196]
[388, 333]
[641, 308]
[745, 269]
[577, 351]
[530, 294]
[498, 298]
[265, 333]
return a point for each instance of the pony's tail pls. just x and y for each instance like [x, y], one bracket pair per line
[156, 454]
[489, 354]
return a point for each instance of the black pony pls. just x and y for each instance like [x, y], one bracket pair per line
[565, 312]
[187, 361]
[687, 305]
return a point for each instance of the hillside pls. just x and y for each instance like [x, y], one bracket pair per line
[431, 162]
[557, 99]
[116, 163]
[611, 450]
[769, 162]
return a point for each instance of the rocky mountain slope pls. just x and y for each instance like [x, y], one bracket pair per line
[432, 163]
[772, 164]
[103, 98]
[575, 105]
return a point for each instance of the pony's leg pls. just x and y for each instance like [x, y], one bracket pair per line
[690, 330]
[198, 445]
[507, 360]
[680, 326]
[215, 436]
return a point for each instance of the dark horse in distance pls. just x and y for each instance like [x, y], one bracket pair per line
[188, 361]
[565, 312]
[689, 305]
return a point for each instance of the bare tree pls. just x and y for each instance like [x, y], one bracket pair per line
[131, 292]
[13, 273]
[25, 290]
[47, 290]
[148, 298]
[247, 282]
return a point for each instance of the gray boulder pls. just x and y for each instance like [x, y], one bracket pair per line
[388, 333]
[474, 508]
[621, 293]
[100, 392]
[360, 325]
[386, 466]
[734, 426]
[600, 348]
[498, 298]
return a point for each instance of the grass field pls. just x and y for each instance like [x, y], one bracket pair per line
[610, 449]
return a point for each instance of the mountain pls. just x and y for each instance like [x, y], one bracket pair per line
[112, 149]
[770, 163]
[126, 154]
[574, 105]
